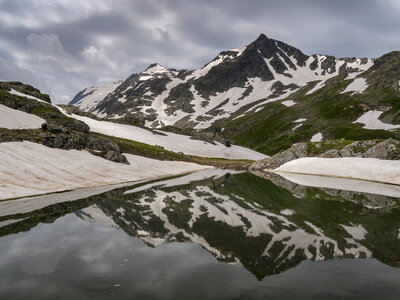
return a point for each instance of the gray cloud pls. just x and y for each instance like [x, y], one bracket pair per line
[64, 46]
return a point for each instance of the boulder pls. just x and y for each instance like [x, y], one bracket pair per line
[116, 157]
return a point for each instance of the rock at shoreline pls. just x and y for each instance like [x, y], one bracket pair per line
[388, 149]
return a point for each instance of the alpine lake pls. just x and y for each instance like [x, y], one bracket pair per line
[215, 234]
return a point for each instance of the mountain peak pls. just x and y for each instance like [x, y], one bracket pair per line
[156, 68]
[263, 43]
[261, 37]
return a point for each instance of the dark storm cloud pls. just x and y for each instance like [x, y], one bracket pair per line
[63, 46]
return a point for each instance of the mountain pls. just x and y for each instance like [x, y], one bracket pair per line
[90, 96]
[232, 83]
[270, 87]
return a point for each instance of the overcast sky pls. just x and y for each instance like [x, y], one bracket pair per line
[63, 46]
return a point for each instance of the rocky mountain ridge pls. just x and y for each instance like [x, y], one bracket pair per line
[235, 82]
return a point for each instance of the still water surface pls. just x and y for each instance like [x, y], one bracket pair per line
[209, 235]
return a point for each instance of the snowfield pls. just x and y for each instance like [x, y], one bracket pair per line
[16, 119]
[359, 85]
[170, 141]
[31, 169]
[344, 184]
[371, 121]
[371, 169]
[93, 95]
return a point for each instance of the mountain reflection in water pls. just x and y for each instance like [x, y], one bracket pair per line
[266, 226]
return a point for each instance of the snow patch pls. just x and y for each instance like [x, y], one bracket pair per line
[288, 103]
[145, 77]
[370, 119]
[156, 69]
[42, 169]
[299, 120]
[287, 212]
[359, 85]
[15, 119]
[318, 86]
[386, 171]
[297, 126]
[171, 141]
[357, 232]
[14, 92]
[317, 137]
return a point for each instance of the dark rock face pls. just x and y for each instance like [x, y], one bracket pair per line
[80, 95]
[53, 128]
[65, 126]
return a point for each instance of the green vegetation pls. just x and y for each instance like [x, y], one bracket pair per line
[317, 148]
[270, 130]
[157, 152]
[25, 89]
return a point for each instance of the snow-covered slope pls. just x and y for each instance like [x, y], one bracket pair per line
[16, 119]
[91, 96]
[231, 84]
[171, 141]
[14, 92]
[372, 169]
[30, 169]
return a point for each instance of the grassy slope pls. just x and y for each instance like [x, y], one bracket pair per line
[326, 110]
[156, 152]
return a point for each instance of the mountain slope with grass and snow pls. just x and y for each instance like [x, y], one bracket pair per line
[254, 94]
[230, 85]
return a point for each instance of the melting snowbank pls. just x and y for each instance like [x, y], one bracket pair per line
[372, 169]
[30, 169]
[171, 141]
[344, 184]
[15, 119]
[370, 119]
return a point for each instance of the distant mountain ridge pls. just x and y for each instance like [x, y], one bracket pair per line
[268, 87]
[89, 97]
[231, 84]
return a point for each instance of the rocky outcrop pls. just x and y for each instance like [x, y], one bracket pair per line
[388, 149]
[25, 89]
[298, 150]
[59, 131]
